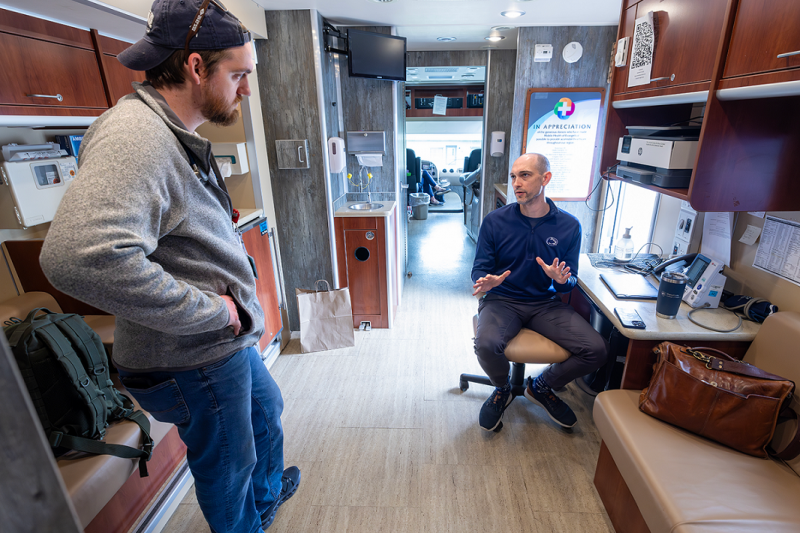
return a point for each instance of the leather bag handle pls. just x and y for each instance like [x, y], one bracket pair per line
[792, 449]
[729, 364]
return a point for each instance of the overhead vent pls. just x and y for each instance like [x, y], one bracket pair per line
[441, 69]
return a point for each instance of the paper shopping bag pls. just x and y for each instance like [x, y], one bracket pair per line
[326, 319]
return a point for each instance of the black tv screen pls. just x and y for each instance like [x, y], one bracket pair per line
[376, 55]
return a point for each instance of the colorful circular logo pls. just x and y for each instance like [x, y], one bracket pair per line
[564, 108]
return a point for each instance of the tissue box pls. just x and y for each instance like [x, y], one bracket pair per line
[236, 153]
[70, 143]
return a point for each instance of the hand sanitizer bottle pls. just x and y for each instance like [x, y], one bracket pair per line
[623, 251]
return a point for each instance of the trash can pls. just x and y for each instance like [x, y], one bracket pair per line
[419, 205]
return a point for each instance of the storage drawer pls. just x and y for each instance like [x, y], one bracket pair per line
[65, 76]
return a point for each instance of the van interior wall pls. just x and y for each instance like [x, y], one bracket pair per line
[745, 279]
[369, 106]
[591, 70]
[290, 109]
[497, 113]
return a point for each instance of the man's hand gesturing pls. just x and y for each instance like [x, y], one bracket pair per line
[489, 282]
[558, 272]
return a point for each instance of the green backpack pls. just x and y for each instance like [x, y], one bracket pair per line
[66, 371]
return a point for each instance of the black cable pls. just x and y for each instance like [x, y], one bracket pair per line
[603, 177]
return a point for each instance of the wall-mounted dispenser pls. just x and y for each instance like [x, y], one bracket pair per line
[233, 155]
[498, 146]
[337, 154]
[366, 142]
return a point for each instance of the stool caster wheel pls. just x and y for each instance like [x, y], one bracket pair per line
[463, 385]
[498, 428]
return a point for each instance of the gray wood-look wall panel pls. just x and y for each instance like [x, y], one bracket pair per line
[498, 116]
[32, 494]
[368, 107]
[590, 71]
[291, 111]
[449, 58]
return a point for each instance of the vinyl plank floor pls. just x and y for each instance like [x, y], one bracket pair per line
[387, 442]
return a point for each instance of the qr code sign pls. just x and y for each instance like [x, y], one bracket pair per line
[643, 51]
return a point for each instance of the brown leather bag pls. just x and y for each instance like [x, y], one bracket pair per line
[710, 393]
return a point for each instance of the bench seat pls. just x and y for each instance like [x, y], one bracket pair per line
[92, 480]
[683, 483]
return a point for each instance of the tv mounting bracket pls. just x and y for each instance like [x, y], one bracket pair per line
[330, 31]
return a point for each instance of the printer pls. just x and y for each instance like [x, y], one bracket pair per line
[661, 156]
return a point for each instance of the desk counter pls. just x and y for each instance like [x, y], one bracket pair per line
[639, 356]
[663, 329]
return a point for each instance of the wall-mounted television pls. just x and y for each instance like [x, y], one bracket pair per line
[376, 55]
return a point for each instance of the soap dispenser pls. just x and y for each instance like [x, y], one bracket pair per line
[623, 251]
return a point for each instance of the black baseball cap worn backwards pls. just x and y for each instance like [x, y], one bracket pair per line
[184, 25]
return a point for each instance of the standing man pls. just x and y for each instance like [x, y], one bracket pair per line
[147, 233]
[527, 255]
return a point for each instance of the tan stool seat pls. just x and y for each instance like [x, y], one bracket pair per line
[530, 347]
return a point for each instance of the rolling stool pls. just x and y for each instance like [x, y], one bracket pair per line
[527, 347]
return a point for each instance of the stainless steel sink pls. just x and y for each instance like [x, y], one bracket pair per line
[365, 206]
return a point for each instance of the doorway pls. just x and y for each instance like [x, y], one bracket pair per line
[444, 137]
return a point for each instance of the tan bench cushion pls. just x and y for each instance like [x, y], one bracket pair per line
[92, 480]
[683, 483]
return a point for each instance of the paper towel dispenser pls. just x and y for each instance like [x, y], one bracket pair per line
[366, 142]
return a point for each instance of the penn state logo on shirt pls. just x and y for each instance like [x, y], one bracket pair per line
[551, 241]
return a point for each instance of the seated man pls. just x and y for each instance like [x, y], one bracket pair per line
[526, 256]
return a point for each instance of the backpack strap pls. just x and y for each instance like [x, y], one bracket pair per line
[59, 345]
[93, 353]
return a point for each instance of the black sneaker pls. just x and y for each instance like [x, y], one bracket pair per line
[556, 409]
[289, 483]
[493, 408]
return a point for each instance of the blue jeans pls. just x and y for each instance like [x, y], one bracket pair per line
[229, 416]
[428, 185]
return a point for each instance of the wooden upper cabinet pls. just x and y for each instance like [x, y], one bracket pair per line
[687, 38]
[35, 67]
[118, 78]
[626, 24]
[763, 30]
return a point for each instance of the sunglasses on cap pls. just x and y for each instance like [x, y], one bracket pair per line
[198, 21]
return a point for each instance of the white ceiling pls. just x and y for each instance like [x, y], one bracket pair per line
[421, 21]
[470, 21]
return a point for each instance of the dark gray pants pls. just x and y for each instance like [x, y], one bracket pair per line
[500, 319]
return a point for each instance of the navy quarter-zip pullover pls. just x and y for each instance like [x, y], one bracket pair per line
[508, 240]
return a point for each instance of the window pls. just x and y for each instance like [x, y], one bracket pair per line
[634, 207]
[445, 143]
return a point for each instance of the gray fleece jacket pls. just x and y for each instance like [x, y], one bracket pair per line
[143, 237]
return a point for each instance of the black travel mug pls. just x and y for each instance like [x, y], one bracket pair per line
[670, 293]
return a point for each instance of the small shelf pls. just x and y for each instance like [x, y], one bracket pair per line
[682, 194]
[697, 97]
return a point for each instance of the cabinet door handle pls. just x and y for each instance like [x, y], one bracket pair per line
[300, 154]
[56, 96]
[787, 54]
[670, 78]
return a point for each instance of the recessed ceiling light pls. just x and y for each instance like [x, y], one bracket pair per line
[445, 39]
[512, 14]
[502, 28]
[494, 38]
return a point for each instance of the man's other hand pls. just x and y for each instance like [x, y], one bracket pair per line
[489, 282]
[558, 272]
[233, 314]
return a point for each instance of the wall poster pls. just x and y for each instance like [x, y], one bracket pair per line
[564, 126]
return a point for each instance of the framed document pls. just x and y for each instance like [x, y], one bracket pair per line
[563, 125]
